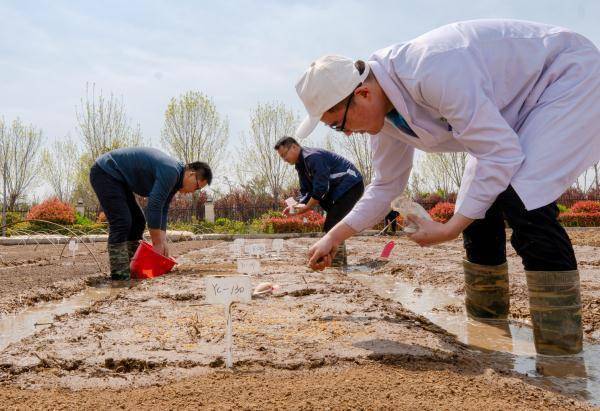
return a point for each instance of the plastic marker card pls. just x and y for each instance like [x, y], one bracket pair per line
[248, 266]
[73, 246]
[237, 246]
[277, 244]
[256, 249]
[225, 290]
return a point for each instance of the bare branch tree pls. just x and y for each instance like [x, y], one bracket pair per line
[60, 166]
[194, 130]
[443, 171]
[20, 150]
[258, 158]
[103, 124]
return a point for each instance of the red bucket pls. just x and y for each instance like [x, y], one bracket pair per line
[147, 263]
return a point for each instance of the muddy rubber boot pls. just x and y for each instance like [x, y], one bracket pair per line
[118, 257]
[132, 247]
[340, 259]
[486, 288]
[555, 307]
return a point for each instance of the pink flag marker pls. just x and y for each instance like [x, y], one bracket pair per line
[387, 250]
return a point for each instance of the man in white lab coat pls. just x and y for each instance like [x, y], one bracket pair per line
[523, 99]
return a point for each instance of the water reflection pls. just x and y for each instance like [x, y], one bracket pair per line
[511, 342]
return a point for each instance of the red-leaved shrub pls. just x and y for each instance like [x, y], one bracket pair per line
[586, 207]
[580, 219]
[52, 210]
[308, 222]
[442, 212]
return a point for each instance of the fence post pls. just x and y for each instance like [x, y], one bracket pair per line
[80, 209]
[209, 210]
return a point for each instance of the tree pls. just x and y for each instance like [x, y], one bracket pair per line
[258, 159]
[443, 172]
[194, 130]
[60, 167]
[103, 124]
[19, 162]
[357, 148]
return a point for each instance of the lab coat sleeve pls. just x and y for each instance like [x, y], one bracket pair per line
[461, 90]
[392, 162]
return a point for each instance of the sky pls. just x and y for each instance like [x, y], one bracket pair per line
[239, 53]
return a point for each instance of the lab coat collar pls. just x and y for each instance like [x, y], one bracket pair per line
[398, 96]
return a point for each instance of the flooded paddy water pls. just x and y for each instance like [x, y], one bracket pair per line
[389, 334]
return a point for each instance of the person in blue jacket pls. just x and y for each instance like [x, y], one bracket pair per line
[119, 174]
[326, 179]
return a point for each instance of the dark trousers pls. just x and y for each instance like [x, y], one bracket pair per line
[126, 220]
[342, 206]
[538, 238]
[391, 218]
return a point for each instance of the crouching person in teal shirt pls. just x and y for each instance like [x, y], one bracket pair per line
[119, 174]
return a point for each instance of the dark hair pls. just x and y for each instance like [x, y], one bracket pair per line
[360, 66]
[202, 170]
[286, 141]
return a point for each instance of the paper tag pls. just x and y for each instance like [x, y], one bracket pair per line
[291, 201]
[277, 244]
[237, 247]
[225, 290]
[73, 246]
[248, 266]
[256, 249]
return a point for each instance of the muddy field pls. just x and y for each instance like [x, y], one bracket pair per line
[369, 337]
[441, 267]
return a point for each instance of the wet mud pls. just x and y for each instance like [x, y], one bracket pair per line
[441, 267]
[31, 274]
[322, 340]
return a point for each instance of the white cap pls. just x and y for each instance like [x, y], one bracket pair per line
[327, 81]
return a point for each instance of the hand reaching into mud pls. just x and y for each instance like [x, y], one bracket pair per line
[321, 254]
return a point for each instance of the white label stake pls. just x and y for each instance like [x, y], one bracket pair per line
[228, 337]
[256, 249]
[277, 245]
[237, 247]
[248, 266]
[73, 246]
[225, 291]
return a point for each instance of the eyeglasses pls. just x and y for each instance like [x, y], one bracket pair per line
[341, 127]
[198, 187]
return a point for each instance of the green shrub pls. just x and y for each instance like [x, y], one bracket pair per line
[82, 220]
[562, 208]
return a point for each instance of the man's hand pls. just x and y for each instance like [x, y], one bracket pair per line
[301, 208]
[321, 254]
[432, 232]
[159, 241]
[161, 248]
